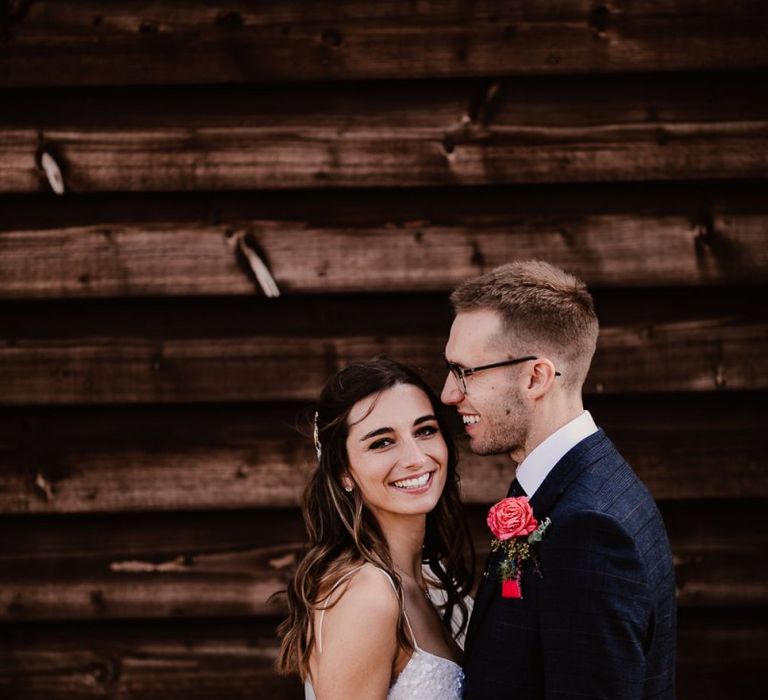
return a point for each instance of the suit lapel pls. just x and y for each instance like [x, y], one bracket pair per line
[580, 457]
[576, 460]
[484, 596]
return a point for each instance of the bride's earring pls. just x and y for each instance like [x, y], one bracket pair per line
[347, 485]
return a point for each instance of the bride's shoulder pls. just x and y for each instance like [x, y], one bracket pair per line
[369, 591]
[365, 600]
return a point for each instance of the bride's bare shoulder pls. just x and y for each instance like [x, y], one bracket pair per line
[370, 590]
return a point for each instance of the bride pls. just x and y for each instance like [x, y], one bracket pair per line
[387, 536]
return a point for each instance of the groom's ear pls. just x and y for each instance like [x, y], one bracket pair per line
[540, 377]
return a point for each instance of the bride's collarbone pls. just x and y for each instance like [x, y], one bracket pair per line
[431, 635]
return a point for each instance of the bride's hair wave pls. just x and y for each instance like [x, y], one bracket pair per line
[343, 533]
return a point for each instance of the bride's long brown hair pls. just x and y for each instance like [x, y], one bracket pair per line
[343, 532]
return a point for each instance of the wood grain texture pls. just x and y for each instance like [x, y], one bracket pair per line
[720, 654]
[195, 574]
[139, 459]
[590, 129]
[89, 43]
[721, 353]
[166, 258]
[202, 660]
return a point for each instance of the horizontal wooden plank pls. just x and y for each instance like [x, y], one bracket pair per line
[721, 654]
[88, 43]
[386, 208]
[397, 135]
[87, 460]
[197, 660]
[692, 355]
[165, 258]
[195, 575]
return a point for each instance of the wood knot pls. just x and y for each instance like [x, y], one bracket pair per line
[449, 144]
[229, 20]
[97, 599]
[50, 161]
[720, 378]
[599, 19]
[332, 38]
[477, 259]
[44, 486]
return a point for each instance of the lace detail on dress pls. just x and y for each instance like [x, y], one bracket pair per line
[428, 677]
[425, 677]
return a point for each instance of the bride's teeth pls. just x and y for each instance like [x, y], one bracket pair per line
[470, 420]
[412, 483]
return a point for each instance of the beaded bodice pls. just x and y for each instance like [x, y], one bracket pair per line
[425, 677]
[428, 677]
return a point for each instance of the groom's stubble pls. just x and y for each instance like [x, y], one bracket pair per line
[507, 425]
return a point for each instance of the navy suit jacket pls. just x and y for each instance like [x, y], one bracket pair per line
[600, 622]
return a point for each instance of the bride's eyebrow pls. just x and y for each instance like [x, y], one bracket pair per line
[384, 430]
[424, 419]
[374, 433]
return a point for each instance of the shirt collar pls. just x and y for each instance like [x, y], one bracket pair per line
[532, 471]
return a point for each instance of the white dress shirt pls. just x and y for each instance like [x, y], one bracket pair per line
[532, 471]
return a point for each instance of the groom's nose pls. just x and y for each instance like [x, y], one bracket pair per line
[451, 393]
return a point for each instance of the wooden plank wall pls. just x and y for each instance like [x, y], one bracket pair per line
[153, 402]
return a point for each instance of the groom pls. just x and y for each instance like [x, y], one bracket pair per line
[597, 619]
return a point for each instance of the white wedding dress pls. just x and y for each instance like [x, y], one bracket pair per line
[425, 677]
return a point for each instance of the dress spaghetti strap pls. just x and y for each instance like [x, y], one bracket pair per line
[337, 584]
[322, 610]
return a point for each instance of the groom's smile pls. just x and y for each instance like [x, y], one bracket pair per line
[470, 418]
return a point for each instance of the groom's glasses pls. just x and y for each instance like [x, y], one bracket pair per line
[460, 373]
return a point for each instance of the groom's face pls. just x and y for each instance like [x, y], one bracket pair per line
[495, 415]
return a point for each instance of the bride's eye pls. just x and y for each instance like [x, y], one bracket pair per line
[378, 444]
[427, 431]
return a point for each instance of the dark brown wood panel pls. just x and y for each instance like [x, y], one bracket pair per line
[154, 405]
[699, 201]
[164, 258]
[718, 653]
[87, 460]
[721, 353]
[194, 574]
[211, 660]
[90, 43]
[590, 129]
[722, 653]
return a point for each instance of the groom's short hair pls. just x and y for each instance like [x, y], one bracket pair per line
[545, 311]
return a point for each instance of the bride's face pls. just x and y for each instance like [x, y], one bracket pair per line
[397, 455]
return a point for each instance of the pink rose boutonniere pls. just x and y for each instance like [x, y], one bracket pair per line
[516, 532]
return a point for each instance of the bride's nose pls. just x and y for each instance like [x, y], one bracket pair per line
[413, 455]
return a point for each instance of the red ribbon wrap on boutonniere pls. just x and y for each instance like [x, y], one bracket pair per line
[516, 533]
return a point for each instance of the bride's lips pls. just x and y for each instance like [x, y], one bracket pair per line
[414, 489]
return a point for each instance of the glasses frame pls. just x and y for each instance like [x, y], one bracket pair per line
[461, 373]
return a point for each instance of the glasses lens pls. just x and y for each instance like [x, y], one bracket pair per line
[458, 375]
